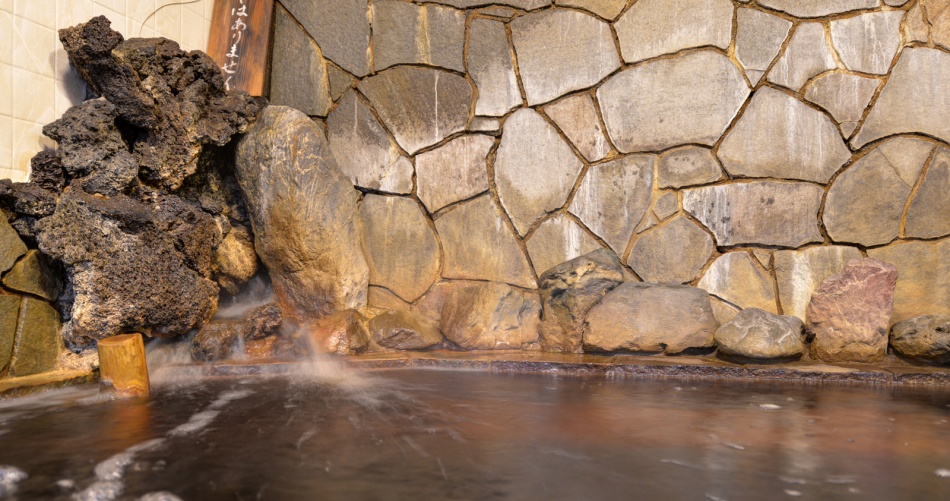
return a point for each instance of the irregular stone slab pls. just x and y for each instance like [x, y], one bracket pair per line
[531, 149]
[404, 330]
[648, 29]
[674, 252]
[722, 310]
[557, 240]
[916, 28]
[848, 314]
[778, 136]
[405, 33]
[364, 150]
[654, 106]
[477, 244]
[844, 95]
[455, 171]
[614, 196]
[907, 155]
[432, 304]
[869, 42]
[518, 4]
[799, 272]
[234, 261]
[298, 77]
[735, 278]
[9, 318]
[687, 166]
[939, 17]
[916, 98]
[343, 333]
[569, 291]
[340, 81]
[35, 274]
[929, 213]
[650, 317]
[484, 124]
[922, 287]
[759, 37]
[577, 117]
[855, 214]
[492, 67]
[807, 55]
[607, 9]
[666, 205]
[38, 342]
[581, 55]
[780, 214]
[758, 334]
[379, 297]
[340, 28]
[401, 249]
[11, 247]
[305, 215]
[923, 339]
[420, 106]
[818, 8]
[491, 316]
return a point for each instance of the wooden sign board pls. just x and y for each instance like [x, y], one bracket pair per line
[239, 42]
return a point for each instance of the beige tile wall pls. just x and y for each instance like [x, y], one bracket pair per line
[36, 82]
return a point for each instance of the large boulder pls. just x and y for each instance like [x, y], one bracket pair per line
[491, 316]
[405, 330]
[304, 214]
[569, 291]
[758, 334]
[923, 339]
[849, 312]
[652, 318]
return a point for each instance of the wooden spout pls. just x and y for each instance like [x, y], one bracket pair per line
[122, 366]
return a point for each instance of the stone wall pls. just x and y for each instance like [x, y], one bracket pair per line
[750, 148]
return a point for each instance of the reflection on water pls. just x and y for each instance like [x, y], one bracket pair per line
[468, 435]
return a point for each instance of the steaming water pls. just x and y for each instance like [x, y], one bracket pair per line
[327, 433]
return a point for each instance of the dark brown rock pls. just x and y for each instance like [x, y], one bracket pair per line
[755, 333]
[921, 339]
[37, 342]
[849, 312]
[262, 322]
[404, 330]
[216, 340]
[343, 333]
[35, 274]
[304, 213]
[9, 317]
[652, 318]
[568, 291]
[491, 316]
[46, 171]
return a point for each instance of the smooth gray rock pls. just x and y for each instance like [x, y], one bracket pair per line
[402, 251]
[305, 216]
[492, 67]
[518, 4]
[734, 277]
[807, 55]
[11, 247]
[477, 244]
[364, 151]
[666, 205]
[759, 37]
[530, 150]
[818, 8]
[865, 203]
[758, 334]
[340, 28]
[779, 136]
[652, 318]
[455, 171]
[652, 28]
[420, 106]
[799, 272]
[404, 330]
[576, 116]
[922, 339]
[568, 292]
[869, 42]
[922, 267]
[674, 252]
[298, 76]
[916, 98]
[687, 166]
[557, 240]
[907, 155]
[405, 33]
[339, 81]
[607, 9]
[844, 95]
[614, 196]
[929, 213]
[582, 53]
[781, 214]
[491, 316]
[690, 98]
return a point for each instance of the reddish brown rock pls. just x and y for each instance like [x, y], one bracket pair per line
[491, 316]
[343, 333]
[848, 314]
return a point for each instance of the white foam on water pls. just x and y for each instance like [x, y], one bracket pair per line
[100, 490]
[160, 496]
[196, 423]
[10, 476]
